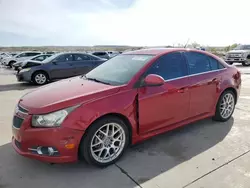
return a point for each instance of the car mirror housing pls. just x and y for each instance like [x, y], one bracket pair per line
[153, 80]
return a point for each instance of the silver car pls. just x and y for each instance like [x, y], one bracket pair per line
[9, 61]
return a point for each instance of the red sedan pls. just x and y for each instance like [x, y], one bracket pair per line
[129, 98]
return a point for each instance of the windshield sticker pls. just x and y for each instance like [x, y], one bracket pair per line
[139, 58]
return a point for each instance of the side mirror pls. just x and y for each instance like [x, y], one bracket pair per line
[54, 62]
[153, 80]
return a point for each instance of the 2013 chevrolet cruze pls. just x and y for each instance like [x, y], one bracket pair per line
[125, 100]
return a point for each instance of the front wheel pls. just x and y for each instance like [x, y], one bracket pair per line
[11, 64]
[246, 63]
[105, 141]
[40, 78]
[225, 106]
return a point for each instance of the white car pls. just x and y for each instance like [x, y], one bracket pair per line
[9, 61]
[240, 54]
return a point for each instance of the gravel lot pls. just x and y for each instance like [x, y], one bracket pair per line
[204, 154]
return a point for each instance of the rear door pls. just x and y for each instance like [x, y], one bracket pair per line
[165, 105]
[62, 67]
[205, 76]
[83, 63]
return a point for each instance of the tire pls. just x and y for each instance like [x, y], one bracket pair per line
[40, 78]
[246, 63]
[229, 62]
[11, 63]
[221, 115]
[91, 147]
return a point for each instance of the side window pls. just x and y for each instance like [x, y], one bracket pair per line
[214, 64]
[197, 62]
[39, 58]
[22, 55]
[32, 54]
[81, 57]
[169, 66]
[66, 57]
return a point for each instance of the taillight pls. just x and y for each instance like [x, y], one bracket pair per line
[237, 76]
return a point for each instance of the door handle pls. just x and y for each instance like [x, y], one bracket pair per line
[215, 80]
[182, 90]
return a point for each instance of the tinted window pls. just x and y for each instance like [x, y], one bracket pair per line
[32, 54]
[41, 57]
[66, 57]
[81, 57]
[99, 53]
[169, 66]
[214, 64]
[197, 62]
[22, 55]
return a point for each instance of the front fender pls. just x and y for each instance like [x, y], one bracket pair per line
[122, 103]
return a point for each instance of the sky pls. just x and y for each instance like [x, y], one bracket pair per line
[123, 22]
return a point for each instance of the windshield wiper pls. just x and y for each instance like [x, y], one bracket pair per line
[96, 80]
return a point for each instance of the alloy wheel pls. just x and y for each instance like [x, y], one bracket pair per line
[108, 142]
[227, 105]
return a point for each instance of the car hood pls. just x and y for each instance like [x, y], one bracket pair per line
[63, 94]
[238, 51]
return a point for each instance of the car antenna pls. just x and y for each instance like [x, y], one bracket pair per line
[186, 43]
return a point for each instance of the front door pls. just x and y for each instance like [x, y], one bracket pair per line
[165, 105]
[62, 67]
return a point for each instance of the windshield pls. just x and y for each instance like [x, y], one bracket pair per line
[242, 47]
[47, 60]
[120, 69]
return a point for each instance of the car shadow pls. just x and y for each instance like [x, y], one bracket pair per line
[159, 154]
[143, 161]
[17, 86]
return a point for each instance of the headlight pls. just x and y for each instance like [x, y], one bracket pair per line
[25, 70]
[244, 54]
[53, 119]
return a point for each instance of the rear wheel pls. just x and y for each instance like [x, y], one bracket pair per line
[40, 78]
[105, 141]
[225, 106]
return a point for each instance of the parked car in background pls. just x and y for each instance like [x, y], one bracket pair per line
[240, 54]
[113, 53]
[9, 61]
[41, 57]
[125, 100]
[4, 55]
[104, 55]
[58, 66]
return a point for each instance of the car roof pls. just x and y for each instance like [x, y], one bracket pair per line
[159, 51]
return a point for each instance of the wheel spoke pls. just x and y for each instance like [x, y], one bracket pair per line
[105, 134]
[107, 131]
[98, 138]
[99, 155]
[107, 153]
[96, 144]
[100, 149]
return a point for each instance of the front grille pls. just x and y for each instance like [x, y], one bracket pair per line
[17, 122]
[234, 55]
[18, 144]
